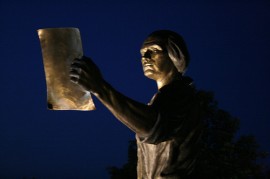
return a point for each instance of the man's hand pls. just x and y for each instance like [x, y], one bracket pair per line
[85, 73]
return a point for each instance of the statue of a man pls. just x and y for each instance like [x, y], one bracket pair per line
[168, 129]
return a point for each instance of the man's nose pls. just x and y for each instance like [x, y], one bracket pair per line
[147, 54]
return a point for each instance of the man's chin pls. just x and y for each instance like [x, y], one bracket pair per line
[149, 74]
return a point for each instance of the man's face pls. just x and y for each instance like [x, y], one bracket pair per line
[155, 60]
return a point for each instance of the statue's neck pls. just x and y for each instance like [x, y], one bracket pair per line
[167, 79]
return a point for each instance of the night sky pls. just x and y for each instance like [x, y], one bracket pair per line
[229, 46]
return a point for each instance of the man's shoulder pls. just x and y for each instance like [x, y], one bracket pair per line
[177, 94]
[178, 87]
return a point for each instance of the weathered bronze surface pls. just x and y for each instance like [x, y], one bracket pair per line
[60, 46]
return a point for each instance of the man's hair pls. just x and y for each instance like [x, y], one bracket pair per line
[176, 48]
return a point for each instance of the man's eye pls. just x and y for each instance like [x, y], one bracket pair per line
[155, 50]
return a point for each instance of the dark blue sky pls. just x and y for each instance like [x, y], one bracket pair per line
[229, 46]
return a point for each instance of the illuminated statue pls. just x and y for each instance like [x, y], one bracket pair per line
[168, 129]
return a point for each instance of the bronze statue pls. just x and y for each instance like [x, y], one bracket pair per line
[168, 129]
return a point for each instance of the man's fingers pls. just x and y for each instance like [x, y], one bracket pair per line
[83, 60]
[74, 80]
[74, 75]
[84, 63]
[75, 70]
[84, 73]
[79, 65]
[76, 64]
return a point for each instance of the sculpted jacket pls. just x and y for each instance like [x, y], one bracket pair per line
[171, 149]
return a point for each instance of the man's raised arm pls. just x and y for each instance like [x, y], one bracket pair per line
[139, 117]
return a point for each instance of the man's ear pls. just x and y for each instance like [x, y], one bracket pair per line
[177, 56]
[182, 65]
